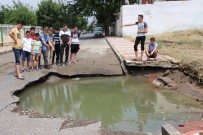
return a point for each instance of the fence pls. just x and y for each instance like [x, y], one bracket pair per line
[5, 39]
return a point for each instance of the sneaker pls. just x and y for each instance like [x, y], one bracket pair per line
[47, 67]
[60, 64]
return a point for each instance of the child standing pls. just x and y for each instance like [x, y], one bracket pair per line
[26, 54]
[50, 50]
[46, 44]
[36, 51]
[74, 45]
[57, 47]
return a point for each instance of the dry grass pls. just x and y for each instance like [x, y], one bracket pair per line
[186, 46]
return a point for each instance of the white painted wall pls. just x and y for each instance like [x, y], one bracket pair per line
[162, 17]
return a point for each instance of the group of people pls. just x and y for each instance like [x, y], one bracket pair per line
[152, 48]
[50, 43]
[53, 42]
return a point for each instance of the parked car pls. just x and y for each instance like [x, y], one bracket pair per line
[98, 32]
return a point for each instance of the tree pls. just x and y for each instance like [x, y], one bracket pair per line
[104, 10]
[54, 14]
[19, 12]
[48, 13]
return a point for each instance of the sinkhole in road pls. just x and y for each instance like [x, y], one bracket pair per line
[125, 103]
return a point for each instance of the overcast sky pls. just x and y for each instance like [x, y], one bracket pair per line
[30, 2]
[33, 3]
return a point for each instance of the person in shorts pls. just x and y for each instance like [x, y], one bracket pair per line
[15, 34]
[26, 53]
[75, 35]
[151, 49]
[36, 51]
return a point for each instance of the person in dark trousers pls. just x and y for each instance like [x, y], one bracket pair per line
[65, 41]
[44, 38]
[142, 30]
[57, 46]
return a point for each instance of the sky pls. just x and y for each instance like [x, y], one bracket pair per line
[33, 3]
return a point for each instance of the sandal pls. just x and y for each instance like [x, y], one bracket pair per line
[21, 77]
[17, 75]
[140, 59]
[135, 59]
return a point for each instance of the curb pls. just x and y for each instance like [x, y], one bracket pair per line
[120, 58]
[169, 130]
[5, 51]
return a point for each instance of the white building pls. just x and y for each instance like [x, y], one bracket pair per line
[161, 17]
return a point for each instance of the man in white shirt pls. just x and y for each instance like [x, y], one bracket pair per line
[142, 30]
[65, 41]
[26, 53]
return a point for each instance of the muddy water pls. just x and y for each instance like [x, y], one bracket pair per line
[121, 103]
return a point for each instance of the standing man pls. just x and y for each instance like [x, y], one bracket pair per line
[75, 35]
[65, 41]
[44, 37]
[17, 48]
[142, 29]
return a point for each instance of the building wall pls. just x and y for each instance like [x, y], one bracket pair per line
[162, 17]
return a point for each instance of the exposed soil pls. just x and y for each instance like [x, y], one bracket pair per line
[183, 80]
[109, 132]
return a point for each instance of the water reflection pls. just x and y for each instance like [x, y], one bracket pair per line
[121, 103]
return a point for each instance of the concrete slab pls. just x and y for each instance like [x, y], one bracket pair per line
[169, 130]
[125, 49]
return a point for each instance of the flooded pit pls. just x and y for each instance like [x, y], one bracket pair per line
[124, 103]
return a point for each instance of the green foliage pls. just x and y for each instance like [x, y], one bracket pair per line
[19, 12]
[54, 14]
[104, 10]
[48, 13]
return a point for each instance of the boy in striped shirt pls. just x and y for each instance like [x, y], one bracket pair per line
[36, 51]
